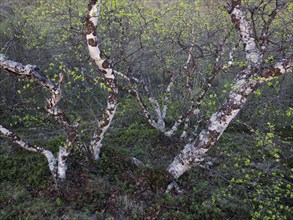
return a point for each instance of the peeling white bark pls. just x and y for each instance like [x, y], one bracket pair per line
[247, 81]
[167, 95]
[253, 55]
[52, 162]
[109, 75]
[31, 72]
[161, 113]
[102, 126]
[62, 162]
[193, 154]
[188, 157]
[174, 127]
[175, 186]
[160, 124]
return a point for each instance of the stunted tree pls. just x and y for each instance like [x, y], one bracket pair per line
[57, 164]
[256, 24]
[109, 75]
[250, 78]
[256, 47]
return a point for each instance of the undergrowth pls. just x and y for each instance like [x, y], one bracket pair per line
[251, 178]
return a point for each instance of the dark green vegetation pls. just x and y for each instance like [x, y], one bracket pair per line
[252, 172]
[251, 177]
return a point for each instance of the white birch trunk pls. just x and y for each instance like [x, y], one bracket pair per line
[193, 154]
[110, 78]
[58, 165]
[247, 81]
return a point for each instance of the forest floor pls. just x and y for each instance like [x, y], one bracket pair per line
[249, 179]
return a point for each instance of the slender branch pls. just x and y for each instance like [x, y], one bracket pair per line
[195, 107]
[266, 28]
[167, 96]
[52, 161]
[253, 55]
[33, 73]
[193, 153]
[246, 82]
[141, 103]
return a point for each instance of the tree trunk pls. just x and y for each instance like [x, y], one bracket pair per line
[109, 75]
[246, 82]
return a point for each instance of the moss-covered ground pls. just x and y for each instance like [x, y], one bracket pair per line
[251, 178]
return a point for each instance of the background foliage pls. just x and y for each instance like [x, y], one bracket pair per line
[252, 175]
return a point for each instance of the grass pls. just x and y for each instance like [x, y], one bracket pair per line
[114, 188]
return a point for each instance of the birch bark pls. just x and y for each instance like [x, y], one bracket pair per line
[58, 165]
[246, 82]
[109, 75]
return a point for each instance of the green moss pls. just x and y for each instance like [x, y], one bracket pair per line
[26, 167]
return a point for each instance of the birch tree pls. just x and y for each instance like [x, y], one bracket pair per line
[57, 164]
[186, 57]
[109, 75]
[257, 45]
[254, 73]
[250, 78]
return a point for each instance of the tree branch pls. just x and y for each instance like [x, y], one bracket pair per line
[33, 73]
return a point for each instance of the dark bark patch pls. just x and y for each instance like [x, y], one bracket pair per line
[106, 121]
[213, 135]
[271, 73]
[110, 83]
[111, 110]
[236, 3]
[106, 64]
[112, 99]
[13, 137]
[233, 4]
[235, 21]
[91, 4]
[98, 133]
[92, 42]
[72, 136]
[223, 117]
[90, 27]
[227, 110]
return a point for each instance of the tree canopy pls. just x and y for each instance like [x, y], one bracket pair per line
[188, 93]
